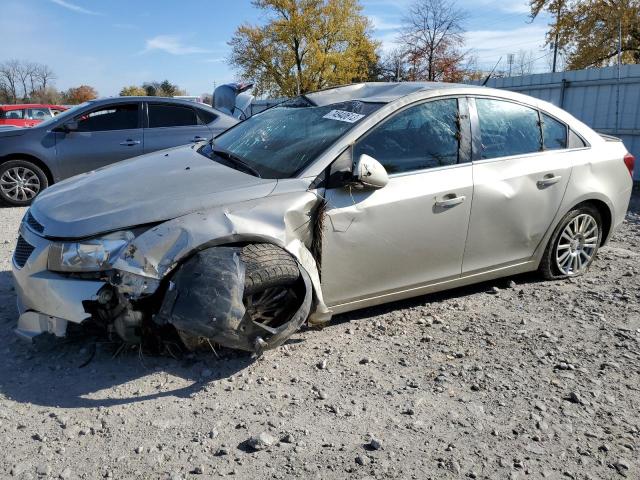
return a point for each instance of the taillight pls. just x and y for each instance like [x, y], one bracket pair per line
[630, 161]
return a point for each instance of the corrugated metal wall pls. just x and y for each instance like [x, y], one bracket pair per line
[594, 96]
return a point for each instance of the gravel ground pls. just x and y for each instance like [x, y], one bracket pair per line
[530, 380]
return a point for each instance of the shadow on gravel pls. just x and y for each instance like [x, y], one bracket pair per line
[84, 373]
[70, 374]
[425, 300]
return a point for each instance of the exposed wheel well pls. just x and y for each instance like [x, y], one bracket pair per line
[605, 213]
[31, 158]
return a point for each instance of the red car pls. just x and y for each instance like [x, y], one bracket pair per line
[28, 114]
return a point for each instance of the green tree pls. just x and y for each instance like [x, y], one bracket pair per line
[305, 45]
[587, 30]
[162, 89]
[133, 91]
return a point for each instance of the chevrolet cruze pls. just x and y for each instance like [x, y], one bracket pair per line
[332, 201]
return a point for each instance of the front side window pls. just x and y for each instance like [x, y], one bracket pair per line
[282, 141]
[507, 128]
[38, 113]
[114, 117]
[420, 137]
[171, 116]
[554, 133]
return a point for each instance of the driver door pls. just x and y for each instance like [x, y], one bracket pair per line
[379, 245]
[105, 135]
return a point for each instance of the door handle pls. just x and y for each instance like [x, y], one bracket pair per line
[450, 200]
[548, 180]
[130, 142]
[198, 139]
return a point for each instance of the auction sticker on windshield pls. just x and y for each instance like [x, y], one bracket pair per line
[343, 116]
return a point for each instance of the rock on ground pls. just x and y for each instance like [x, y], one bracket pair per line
[538, 381]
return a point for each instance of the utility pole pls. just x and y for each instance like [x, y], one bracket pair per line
[619, 66]
[555, 43]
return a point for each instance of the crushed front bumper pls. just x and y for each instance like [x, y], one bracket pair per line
[47, 300]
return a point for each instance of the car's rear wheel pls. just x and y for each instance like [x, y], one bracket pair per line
[573, 245]
[20, 182]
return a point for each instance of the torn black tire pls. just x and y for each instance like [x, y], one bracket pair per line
[267, 266]
[212, 295]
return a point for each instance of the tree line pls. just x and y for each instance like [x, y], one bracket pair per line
[30, 82]
[306, 45]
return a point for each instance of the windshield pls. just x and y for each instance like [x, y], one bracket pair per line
[282, 141]
[66, 115]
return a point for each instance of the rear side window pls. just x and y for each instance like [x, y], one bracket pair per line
[206, 116]
[113, 117]
[575, 141]
[554, 133]
[171, 116]
[420, 137]
[12, 114]
[507, 128]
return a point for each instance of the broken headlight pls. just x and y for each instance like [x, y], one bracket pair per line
[92, 255]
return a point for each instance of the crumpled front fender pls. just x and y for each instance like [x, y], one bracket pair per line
[285, 220]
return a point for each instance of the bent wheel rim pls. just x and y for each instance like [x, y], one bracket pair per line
[271, 307]
[20, 184]
[577, 245]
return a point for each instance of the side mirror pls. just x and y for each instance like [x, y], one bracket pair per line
[70, 126]
[370, 173]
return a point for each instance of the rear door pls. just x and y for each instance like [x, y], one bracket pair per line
[170, 125]
[105, 134]
[521, 169]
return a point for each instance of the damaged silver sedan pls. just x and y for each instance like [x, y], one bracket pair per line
[329, 202]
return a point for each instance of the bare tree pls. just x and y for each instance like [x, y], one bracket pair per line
[24, 80]
[432, 36]
[523, 64]
[24, 73]
[9, 79]
[44, 75]
[393, 67]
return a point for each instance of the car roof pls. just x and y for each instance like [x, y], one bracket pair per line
[19, 106]
[379, 92]
[178, 101]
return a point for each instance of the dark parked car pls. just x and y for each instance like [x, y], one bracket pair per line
[95, 134]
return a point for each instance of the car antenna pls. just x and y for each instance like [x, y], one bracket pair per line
[491, 72]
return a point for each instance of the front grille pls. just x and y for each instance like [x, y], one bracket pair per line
[33, 223]
[23, 252]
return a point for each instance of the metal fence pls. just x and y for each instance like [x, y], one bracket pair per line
[596, 96]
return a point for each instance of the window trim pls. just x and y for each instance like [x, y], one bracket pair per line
[464, 157]
[170, 104]
[477, 140]
[112, 105]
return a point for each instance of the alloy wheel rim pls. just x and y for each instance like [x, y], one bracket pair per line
[577, 245]
[270, 306]
[20, 184]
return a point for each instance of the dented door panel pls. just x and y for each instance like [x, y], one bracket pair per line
[500, 231]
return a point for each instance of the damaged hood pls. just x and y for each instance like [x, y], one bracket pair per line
[152, 188]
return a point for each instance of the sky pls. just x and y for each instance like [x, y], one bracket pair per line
[114, 43]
